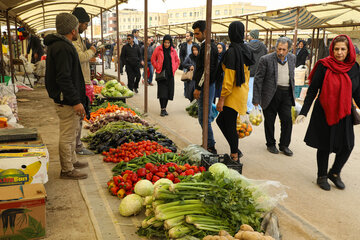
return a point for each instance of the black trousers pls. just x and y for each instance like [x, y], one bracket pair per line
[133, 74]
[323, 161]
[227, 124]
[163, 102]
[280, 104]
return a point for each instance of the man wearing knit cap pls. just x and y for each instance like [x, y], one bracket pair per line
[258, 49]
[84, 56]
[65, 84]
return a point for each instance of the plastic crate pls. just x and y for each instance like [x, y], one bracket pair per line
[298, 90]
[209, 159]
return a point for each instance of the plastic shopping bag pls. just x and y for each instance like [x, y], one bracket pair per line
[243, 126]
[213, 112]
[255, 116]
[295, 111]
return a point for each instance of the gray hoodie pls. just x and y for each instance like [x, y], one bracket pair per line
[258, 49]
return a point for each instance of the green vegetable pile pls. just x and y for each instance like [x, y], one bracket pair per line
[154, 158]
[199, 206]
[193, 109]
[114, 89]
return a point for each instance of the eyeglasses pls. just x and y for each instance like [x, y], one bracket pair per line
[129, 39]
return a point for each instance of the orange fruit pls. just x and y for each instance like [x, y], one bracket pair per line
[247, 134]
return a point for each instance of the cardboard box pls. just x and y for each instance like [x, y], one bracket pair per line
[300, 77]
[23, 164]
[23, 212]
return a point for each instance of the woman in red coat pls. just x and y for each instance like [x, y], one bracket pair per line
[165, 59]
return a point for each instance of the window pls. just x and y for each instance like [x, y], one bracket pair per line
[217, 12]
[184, 14]
[190, 14]
[155, 18]
[129, 26]
[124, 19]
[171, 15]
[177, 15]
[150, 18]
[159, 18]
[225, 12]
[230, 12]
[129, 19]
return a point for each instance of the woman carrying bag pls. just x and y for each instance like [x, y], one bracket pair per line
[235, 87]
[189, 67]
[165, 62]
[330, 130]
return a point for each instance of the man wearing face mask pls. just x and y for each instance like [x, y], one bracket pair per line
[84, 56]
[65, 84]
[274, 90]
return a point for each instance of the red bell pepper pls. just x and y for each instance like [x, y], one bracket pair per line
[155, 178]
[170, 176]
[160, 174]
[149, 176]
[176, 180]
[149, 166]
[141, 172]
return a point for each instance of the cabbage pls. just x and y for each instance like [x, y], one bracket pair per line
[131, 205]
[119, 87]
[95, 81]
[144, 188]
[163, 181]
[102, 82]
[218, 169]
[111, 83]
[103, 91]
[117, 94]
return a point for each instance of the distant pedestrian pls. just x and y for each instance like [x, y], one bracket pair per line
[274, 90]
[185, 48]
[165, 59]
[258, 49]
[150, 52]
[220, 73]
[334, 82]
[199, 28]
[190, 65]
[301, 53]
[131, 57]
[235, 87]
[136, 33]
[34, 45]
[65, 84]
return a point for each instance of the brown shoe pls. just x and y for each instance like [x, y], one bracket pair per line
[79, 165]
[74, 174]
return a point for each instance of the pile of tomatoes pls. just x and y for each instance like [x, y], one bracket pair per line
[124, 184]
[128, 151]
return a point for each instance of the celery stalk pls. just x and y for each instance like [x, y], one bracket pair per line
[172, 222]
[179, 231]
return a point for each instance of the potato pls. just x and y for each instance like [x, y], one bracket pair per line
[222, 238]
[239, 234]
[229, 237]
[246, 227]
[251, 236]
[208, 237]
[223, 233]
[216, 238]
[267, 238]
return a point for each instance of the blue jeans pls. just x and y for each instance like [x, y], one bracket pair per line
[151, 69]
[250, 106]
[211, 140]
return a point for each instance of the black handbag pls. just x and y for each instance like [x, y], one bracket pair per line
[160, 76]
[355, 115]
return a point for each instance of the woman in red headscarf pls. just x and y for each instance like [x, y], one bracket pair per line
[337, 80]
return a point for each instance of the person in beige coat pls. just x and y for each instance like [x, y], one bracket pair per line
[84, 56]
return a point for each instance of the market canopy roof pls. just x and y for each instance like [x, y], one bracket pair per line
[332, 14]
[41, 14]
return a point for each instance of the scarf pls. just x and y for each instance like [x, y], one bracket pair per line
[223, 51]
[167, 65]
[238, 53]
[336, 91]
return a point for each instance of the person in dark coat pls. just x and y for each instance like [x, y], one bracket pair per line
[131, 57]
[190, 65]
[165, 59]
[337, 80]
[151, 49]
[220, 74]
[65, 84]
[35, 46]
[301, 53]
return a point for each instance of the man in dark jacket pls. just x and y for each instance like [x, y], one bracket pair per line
[131, 57]
[274, 90]
[200, 33]
[65, 84]
[185, 48]
[151, 49]
[35, 46]
[258, 49]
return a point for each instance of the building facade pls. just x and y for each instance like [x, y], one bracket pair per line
[225, 10]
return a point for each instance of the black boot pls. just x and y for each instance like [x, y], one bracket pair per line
[323, 183]
[335, 178]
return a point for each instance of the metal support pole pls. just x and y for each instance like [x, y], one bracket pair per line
[270, 42]
[146, 56]
[187, 27]
[296, 30]
[285, 33]
[10, 46]
[17, 41]
[206, 74]
[102, 41]
[266, 38]
[317, 45]
[312, 48]
[2, 58]
[246, 27]
[92, 25]
[117, 40]
[169, 30]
